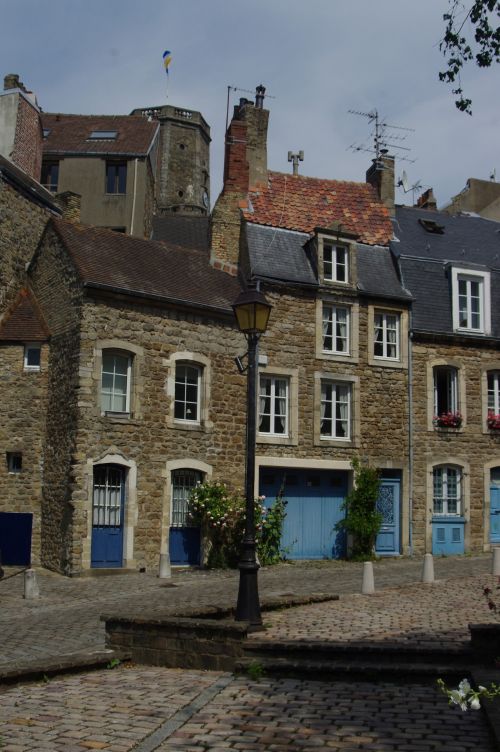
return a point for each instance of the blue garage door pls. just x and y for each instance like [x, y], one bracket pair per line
[15, 538]
[314, 507]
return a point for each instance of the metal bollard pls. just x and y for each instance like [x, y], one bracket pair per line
[495, 569]
[165, 571]
[428, 569]
[368, 586]
[31, 589]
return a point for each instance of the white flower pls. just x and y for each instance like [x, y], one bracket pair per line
[464, 688]
[482, 689]
[474, 703]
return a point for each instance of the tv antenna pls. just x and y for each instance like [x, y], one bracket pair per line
[381, 134]
[404, 184]
[245, 91]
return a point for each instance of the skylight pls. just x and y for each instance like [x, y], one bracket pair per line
[103, 135]
[431, 226]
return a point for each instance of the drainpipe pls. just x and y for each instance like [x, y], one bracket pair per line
[134, 194]
[410, 434]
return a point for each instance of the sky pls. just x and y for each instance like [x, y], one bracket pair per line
[317, 58]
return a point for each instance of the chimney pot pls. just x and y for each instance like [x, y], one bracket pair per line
[260, 92]
[11, 81]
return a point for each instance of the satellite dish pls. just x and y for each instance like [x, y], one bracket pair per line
[404, 181]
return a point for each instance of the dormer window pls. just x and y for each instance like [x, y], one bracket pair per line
[335, 263]
[103, 136]
[430, 225]
[471, 301]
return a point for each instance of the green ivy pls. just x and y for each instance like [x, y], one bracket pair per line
[362, 521]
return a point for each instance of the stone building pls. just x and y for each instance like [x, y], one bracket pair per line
[478, 197]
[110, 161]
[450, 264]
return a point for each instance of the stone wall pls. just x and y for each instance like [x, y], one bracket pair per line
[58, 292]
[22, 429]
[27, 152]
[21, 226]
[471, 447]
[149, 439]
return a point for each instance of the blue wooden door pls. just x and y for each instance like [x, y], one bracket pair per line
[107, 516]
[495, 514]
[314, 499]
[15, 538]
[184, 539]
[388, 504]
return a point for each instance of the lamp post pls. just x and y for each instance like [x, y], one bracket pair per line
[252, 314]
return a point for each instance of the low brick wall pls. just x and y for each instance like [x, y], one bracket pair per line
[485, 641]
[178, 642]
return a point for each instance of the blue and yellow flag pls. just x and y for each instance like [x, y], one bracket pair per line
[167, 57]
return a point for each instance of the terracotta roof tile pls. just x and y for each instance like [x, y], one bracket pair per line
[147, 268]
[69, 134]
[24, 322]
[302, 203]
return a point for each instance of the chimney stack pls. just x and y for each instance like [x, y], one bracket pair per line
[381, 176]
[20, 126]
[71, 204]
[427, 200]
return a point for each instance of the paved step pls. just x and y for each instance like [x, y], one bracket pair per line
[392, 661]
[86, 660]
[339, 670]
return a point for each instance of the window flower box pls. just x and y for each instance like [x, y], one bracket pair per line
[493, 421]
[447, 420]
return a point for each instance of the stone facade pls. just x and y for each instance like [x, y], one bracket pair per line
[22, 431]
[472, 447]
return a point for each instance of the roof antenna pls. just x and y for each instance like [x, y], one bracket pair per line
[380, 134]
[259, 94]
[403, 183]
[296, 158]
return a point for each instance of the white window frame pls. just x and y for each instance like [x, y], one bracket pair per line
[27, 348]
[452, 387]
[333, 263]
[493, 403]
[128, 357]
[445, 500]
[385, 329]
[483, 279]
[332, 320]
[274, 397]
[334, 403]
[199, 375]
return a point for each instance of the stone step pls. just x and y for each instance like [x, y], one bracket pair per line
[49, 666]
[365, 653]
[331, 670]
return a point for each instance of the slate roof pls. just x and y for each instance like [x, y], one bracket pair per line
[122, 263]
[301, 203]
[424, 259]
[24, 322]
[188, 231]
[26, 184]
[69, 134]
[282, 255]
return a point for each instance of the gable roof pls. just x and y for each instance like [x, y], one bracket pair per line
[188, 231]
[70, 134]
[122, 263]
[284, 256]
[424, 259]
[301, 203]
[24, 322]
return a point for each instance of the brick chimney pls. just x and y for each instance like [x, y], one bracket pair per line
[381, 176]
[427, 200]
[245, 169]
[21, 132]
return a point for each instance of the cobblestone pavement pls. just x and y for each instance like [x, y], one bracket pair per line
[146, 709]
[65, 619]
[425, 615]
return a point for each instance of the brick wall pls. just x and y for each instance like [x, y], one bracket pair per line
[27, 152]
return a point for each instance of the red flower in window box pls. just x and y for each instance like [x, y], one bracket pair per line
[493, 421]
[448, 420]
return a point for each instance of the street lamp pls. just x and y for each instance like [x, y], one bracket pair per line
[252, 314]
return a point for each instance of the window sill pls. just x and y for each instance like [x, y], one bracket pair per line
[338, 357]
[277, 440]
[447, 429]
[386, 362]
[451, 518]
[180, 426]
[330, 442]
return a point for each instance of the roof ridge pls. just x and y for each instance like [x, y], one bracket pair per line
[311, 177]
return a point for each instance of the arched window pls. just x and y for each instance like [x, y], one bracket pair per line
[115, 382]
